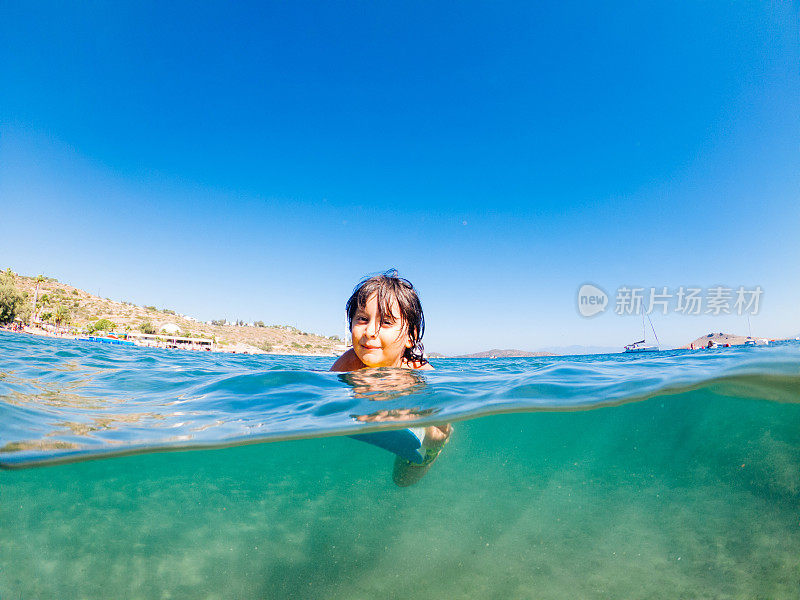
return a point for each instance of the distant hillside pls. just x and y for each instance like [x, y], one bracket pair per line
[504, 354]
[728, 338]
[85, 309]
[717, 338]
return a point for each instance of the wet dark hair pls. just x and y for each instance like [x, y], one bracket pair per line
[389, 286]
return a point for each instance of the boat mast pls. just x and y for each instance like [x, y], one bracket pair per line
[654, 330]
[644, 331]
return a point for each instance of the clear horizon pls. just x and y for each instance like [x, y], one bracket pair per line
[579, 348]
[255, 162]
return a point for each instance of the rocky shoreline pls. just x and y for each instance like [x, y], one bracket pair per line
[45, 298]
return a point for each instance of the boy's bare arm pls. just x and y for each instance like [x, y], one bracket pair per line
[348, 362]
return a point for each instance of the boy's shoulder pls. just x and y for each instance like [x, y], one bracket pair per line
[348, 362]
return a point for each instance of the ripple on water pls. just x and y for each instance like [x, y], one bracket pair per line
[56, 393]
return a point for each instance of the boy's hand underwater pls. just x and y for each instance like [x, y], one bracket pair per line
[437, 436]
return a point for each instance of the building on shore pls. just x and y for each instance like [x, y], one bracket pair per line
[170, 341]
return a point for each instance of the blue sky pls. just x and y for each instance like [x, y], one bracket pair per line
[255, 161]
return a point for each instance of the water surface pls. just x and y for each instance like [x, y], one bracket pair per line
[668, 476]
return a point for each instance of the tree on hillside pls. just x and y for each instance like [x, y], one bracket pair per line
[39, 280]
[103, 325]
[147, 327]
[11, 301]
[62, 315]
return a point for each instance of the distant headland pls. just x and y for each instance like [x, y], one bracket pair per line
[723, 339]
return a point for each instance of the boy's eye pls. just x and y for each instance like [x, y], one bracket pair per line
[388, 321]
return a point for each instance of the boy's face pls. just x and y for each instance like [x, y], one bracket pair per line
[379, 344]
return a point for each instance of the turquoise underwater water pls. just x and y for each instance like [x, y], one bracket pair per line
[614, 476]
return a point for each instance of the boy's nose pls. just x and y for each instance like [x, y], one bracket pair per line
[372, 329]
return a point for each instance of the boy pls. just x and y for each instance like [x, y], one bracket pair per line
[386, 323]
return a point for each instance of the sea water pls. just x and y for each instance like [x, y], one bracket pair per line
[145, 473]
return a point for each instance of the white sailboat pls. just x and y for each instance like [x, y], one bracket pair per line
[751, 341]
[641, 346]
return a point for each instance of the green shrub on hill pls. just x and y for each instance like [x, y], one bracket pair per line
[102, 325]
[147, 327]
[11, 301]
